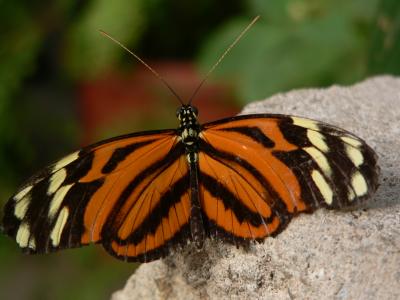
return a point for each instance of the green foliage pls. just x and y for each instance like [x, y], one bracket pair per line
[295, 44]
[18, 48]
[176, 29]
[88, 52]
[13, 152]
[385, 48]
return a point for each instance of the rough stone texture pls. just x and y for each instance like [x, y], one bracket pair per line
[326, 255]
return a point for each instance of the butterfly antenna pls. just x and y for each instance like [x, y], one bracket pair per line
[222, 57]
[143, 63]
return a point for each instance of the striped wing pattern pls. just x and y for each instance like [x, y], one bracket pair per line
[280, 166]
[133, 193]
[129, 193]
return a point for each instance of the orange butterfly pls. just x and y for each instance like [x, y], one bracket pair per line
[241, 179]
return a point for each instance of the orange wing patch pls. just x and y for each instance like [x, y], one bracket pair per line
[152, 148]
[154, 243]
[240, 182]
[246, 191]
[258, 155]
[156, 212]
[232, 203]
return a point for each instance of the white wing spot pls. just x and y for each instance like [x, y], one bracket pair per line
[355, 155]
[55, 235]
[58, 199]
[56, 180]
[359, 184]
[23, 234]
[318, 140]
[323, 186]
[66, 161]
[305, 123]
[21, 194]
[320, 159]
[21, 207]
[351, 141]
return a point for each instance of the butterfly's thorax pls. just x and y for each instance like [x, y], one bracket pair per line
[189, 129]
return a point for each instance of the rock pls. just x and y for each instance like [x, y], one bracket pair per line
[325, 255]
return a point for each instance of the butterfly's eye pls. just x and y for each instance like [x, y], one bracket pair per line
[178, 112]
[195, 111]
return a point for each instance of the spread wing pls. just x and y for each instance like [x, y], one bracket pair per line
[130, 193]
[258, 171]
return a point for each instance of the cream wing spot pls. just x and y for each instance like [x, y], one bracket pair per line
[320, 159]
[355, 155]
[351, 141]
[323, 186]
[56, 180]
[21, 207]
[32, 243]
[305, 123]
[359, 184]
[318, 140]
[57, 200]
[66, 160]
[55, 234]
[23, 235]
[21, 194]
[351, 194]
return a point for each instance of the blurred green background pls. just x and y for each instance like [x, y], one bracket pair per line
[63, 85]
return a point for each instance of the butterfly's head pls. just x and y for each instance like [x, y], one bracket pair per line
[187, 115]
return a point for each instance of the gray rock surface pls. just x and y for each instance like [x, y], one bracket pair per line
[325, 255]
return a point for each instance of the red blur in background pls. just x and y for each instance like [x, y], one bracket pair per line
[139, 98]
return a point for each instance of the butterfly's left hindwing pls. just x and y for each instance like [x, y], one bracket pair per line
[116, 192]
[257, 171]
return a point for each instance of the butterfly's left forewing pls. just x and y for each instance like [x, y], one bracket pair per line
[116, 192]
[257, 171]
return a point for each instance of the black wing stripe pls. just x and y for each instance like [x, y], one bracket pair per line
[76, 200]
[153, 220]
[154, 169]
[221, 156]
[299, 162]
[254, 133]
[120, 154]
[179, 239]
[79, 167]
[218, 190]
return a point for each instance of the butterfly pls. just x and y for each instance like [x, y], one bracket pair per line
[239, 179]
